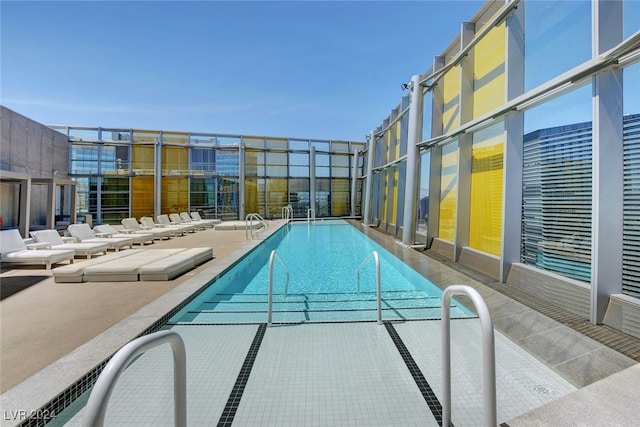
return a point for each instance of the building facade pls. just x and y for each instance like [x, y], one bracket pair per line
[522, 136]
[514, 153]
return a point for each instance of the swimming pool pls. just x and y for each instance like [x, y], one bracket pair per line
[321, 278]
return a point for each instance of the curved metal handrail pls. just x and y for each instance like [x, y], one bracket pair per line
[376, 258]
[96, 408]
[311, 215]
[248, 225]
[488, 354]
[287, 213]
[274, 256]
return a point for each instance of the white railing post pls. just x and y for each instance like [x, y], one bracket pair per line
[96, 407]
[376, 258]
[488, 354]
[274, 256]
[311, 215]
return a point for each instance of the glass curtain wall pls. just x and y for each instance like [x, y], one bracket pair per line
[557, 185]
[631, 207]
[117, 175]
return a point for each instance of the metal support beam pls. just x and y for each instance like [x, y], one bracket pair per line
[414, 135]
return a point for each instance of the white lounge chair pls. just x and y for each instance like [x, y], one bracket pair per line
[178, 220]
[185, 217]
[82, 249]
[13, 250]
[164, 221]
[108, 230]
[196, 217]
[84, 234]
[133, 226]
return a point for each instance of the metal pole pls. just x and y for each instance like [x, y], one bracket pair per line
[270, 293]
[413, 137]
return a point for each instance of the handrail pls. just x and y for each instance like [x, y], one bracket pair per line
[311, 215]
[488, 354]
[376, 258]
[287, 213]
[248, 225]
[96, 407]
[274, 256]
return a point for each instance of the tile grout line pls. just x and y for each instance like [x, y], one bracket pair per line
[230, 409]
[425, 389]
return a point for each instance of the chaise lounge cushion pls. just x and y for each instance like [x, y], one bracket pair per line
[74, 273]
[84, 233]
[126, 269]
[139, 238]
[14, 250]
[83, 249]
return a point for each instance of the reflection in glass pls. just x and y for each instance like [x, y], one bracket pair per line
[557, 38]
[557, 168]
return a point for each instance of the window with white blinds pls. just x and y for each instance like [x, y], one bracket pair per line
[631, 219]
[556, 207]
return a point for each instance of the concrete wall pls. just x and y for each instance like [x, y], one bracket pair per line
[27, 146]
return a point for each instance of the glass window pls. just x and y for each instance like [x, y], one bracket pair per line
[323, 197]
[485, 216]
[299, 164]
[253, 142]
[427, 112]
[115, 159]
[228, 141]
[557, 38]
[299, 197]
[320, 146]
[84, 159]
[322, 165]
[115, 199]
[254, 163]
[631, 198]
[448, 191]
[277, 144]
[631, 17]
[340, 165]
[228, 162]
[202, 140]
[557, 163]
[276, 164]
[423, 192]
[202, 160]
[298, 145]
[83, 134]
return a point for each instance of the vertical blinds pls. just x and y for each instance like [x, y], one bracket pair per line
[631, 208]
[556, 223]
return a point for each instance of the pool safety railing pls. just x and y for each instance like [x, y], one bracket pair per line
[287, 213]
[488, 354]
[376, 259]
[311, 215]
[274, 256]
[96, 407]
[249, 232]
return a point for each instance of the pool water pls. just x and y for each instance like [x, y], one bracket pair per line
[321, 278]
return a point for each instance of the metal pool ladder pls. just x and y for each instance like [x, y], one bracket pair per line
[99, 399]
[376, 259]
[287, 213]
[488, 354]
[249, 232]
[274, 256]
[311, 215]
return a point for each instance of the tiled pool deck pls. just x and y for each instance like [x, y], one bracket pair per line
[353, 373]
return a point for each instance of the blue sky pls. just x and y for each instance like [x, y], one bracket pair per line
[325, 70]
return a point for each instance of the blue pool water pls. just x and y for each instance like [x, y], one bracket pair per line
[322, 261]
